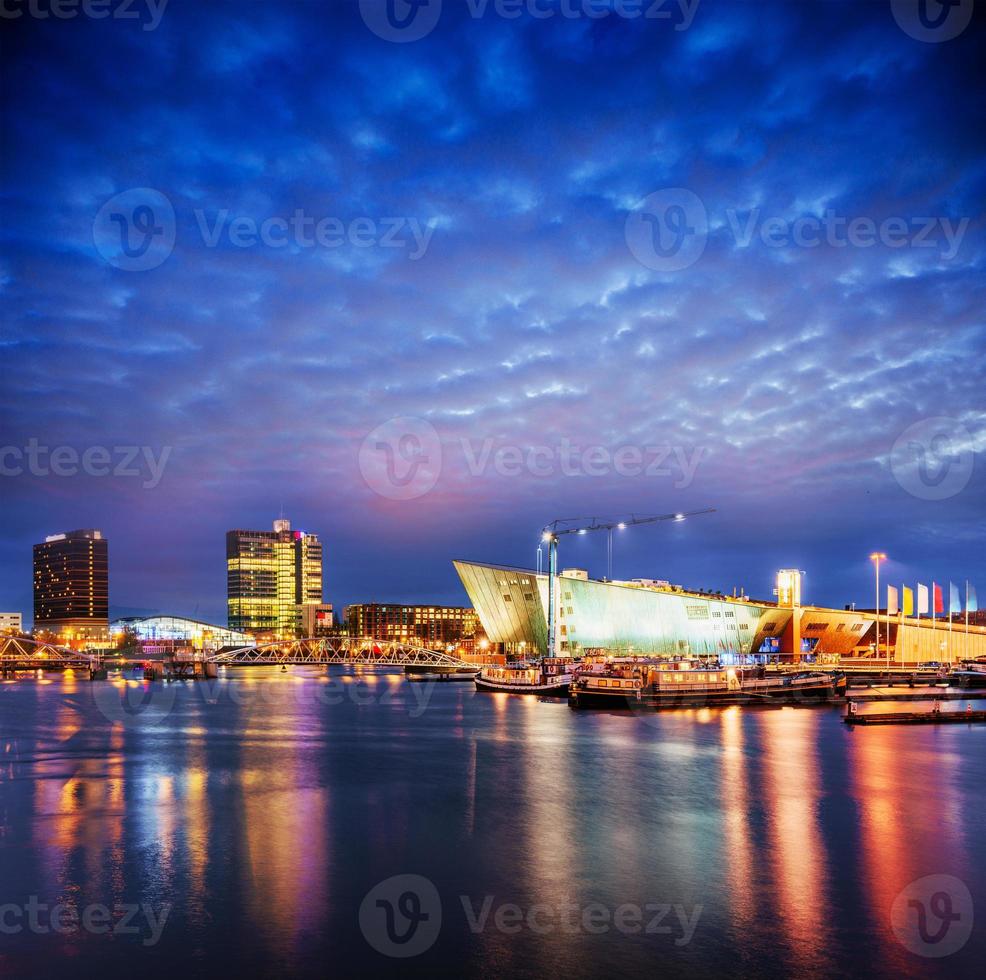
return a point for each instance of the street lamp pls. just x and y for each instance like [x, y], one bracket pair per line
[876, 558]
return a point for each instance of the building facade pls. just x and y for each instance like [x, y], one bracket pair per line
[436, 627]
[71, 587]
[11, 622]
[317, 619]
[644, 617]
[271, 577]
[168, 634]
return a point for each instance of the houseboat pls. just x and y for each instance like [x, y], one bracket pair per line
[679, 684]
[549, 678]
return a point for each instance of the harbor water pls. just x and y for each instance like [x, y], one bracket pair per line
[296, 823]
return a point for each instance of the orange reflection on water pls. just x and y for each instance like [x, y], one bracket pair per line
[795, 851]
[911, 820]
[736, 807]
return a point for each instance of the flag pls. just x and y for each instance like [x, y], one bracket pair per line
[922, 598]
[970, 598]
[908, 601]
[954, 601]
[939, 602]
[892, 600]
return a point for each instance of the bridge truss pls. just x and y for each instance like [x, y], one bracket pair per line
[23, 653]
[342, 651]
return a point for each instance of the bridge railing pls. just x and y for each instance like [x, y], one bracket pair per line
[340, 650]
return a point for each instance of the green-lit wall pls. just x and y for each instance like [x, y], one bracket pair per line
[512, 606]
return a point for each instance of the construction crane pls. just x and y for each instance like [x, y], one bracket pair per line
[575, 525]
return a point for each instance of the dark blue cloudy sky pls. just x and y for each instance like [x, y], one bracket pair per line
[566, 265]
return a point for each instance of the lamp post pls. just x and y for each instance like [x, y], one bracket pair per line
[876, 558]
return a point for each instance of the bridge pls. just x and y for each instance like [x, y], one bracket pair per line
[23, 653]
[341, 651]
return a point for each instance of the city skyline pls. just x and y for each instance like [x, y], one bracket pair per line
[820, 389]
[895, 574]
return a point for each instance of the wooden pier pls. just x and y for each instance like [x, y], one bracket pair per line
[934, 717]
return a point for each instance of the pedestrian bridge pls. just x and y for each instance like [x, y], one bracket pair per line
[23, 653]
[342, 651]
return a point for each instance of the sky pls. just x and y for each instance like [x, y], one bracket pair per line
[424, 280]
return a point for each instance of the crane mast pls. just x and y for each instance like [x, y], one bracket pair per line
[574, 525]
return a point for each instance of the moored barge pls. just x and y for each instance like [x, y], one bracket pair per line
[548, 678]
[683, 685]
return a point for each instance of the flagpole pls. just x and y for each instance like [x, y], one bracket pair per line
[949, 622]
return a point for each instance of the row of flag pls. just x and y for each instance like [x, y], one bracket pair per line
[936, 596]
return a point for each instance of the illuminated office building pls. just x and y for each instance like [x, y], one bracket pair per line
[430, 626]
[71, 586]
[271, 577]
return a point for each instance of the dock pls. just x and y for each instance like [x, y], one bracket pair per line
[933, 717]
[925, 694]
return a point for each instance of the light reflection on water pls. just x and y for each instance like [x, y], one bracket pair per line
[267, 804]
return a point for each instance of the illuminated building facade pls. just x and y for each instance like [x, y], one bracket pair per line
[271, 577]
[650, 618]
[317, 619]
[170, 633]
[430, 626]
[71, 586]
[10, 622]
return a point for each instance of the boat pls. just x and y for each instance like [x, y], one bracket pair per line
[549, 678]
[680, 684]
[970, 674]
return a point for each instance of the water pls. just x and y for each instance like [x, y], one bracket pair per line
[256, 813]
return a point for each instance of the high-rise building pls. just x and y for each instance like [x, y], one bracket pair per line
[431, 626]
[10, 622]
[71, 586]
[271, 576]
